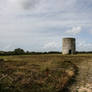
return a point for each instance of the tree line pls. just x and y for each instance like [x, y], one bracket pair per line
[19, 51]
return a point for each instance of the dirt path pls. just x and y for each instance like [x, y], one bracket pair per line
[84, 76]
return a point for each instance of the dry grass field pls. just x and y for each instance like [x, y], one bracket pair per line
[45, 73]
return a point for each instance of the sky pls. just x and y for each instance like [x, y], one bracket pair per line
[40, 25]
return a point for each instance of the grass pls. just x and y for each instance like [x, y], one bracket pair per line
[36, 73]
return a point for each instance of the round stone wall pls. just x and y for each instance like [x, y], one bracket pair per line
[68, 46]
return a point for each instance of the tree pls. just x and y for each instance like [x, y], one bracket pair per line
[19, 51]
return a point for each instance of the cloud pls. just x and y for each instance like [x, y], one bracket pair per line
[84, 45]
[37, 6]
[18, 6]
[8, 47]
[74, 30]
[21, 21]
[52, 46]
[47, 6]
[90, 31]
[26, 4]
[84, 5]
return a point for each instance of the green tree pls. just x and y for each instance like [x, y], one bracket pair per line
[19, 51]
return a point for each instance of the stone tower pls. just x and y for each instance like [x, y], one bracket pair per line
[69, 46]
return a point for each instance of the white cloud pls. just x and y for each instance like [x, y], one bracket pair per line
[36, 6]
[52, 46]
[25, 4]
[8, 47]
[90, 30]
[74, 30]
[21, 21]
[83, 45]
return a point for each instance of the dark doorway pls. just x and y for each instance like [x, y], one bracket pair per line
[70, 51]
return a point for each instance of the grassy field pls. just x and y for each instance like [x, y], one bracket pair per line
[38, 73]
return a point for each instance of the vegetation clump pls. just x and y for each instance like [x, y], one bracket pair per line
[26, 74]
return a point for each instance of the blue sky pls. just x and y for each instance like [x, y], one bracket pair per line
[40, 25]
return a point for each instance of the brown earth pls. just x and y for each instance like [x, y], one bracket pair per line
[45, 72]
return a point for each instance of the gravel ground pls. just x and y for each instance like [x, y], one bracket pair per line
[84, 78]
